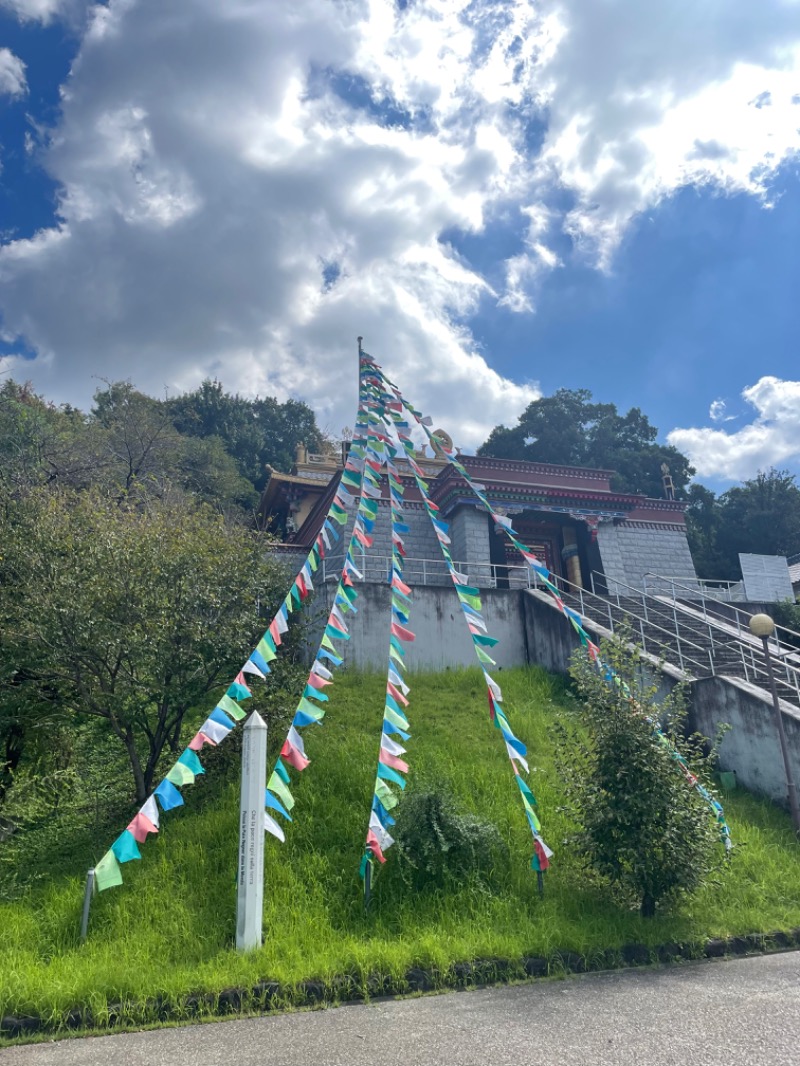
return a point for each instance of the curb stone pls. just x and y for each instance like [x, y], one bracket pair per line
[352, 988]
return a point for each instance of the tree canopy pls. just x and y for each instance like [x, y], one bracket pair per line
[210, 443]
[569, 428]
[761, 516]
[126, 613]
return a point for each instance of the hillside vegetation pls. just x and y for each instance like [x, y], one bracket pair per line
[168, 931]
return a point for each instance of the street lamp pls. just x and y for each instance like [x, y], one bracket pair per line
[761, 625]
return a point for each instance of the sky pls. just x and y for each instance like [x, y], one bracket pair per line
[504, 197]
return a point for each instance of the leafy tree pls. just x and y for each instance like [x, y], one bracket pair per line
[145, 453]
[255, 432]
[570, 429]
[702, 529]
[41, 444]
[761, 516]
[129, 615]
[641, 827]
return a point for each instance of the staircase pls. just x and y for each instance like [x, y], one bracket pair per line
[689, 634]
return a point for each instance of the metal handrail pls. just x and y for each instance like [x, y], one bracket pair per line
[676, 641]
[377, 569]
[783, 649]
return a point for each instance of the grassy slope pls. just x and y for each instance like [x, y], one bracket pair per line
[168, 930]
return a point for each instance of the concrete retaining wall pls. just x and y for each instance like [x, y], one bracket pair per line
[442, 637]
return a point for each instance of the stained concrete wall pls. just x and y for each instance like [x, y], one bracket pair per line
[442, 637]
[751, 747]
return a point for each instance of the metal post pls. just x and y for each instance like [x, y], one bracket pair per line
[250, 894]
[790, 785]
[87, 903]
[367, 885]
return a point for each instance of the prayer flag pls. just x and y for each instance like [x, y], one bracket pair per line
[107, 873]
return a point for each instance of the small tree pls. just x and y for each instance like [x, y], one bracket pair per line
[642, 826]
[127, 615]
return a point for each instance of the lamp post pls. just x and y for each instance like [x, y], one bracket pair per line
[761, 625]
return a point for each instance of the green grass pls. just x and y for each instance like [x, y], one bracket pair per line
[168, 932]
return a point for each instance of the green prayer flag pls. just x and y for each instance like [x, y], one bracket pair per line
[125, 847]
[395, 718]
[484, 658]
[385, 794]
[294, 592]
[180, 774]
[311, 709]
[532, 814]
[189, 758]
[107, 873]
[473, 601]
[489, 642]
[231, 707]
[525, 790]
[282, 772]
[313, 561]
[279, 788]
[266, 649]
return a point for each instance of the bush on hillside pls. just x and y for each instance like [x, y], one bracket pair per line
[642, 827]
[438, 844]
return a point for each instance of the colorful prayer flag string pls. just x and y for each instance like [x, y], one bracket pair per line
[395, 723]
[228, 711]
[543, 576]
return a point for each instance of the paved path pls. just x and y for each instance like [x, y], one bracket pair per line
[744, 1012]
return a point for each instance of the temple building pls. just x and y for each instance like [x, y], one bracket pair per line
[582, 529]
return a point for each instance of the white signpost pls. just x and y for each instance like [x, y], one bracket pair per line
[250, 896]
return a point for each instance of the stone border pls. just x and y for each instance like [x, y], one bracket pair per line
[351, 988]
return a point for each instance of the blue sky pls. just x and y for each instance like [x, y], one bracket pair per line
[503, 197]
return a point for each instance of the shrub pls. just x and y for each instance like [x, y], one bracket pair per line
[642, 827]
[437, 844]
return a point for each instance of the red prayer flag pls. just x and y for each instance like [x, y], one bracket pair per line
[140, 827]
[392, 760]
[374, 846]
[290, 753]
[398, 695]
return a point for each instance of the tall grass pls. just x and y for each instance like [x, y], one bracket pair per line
[169, 930]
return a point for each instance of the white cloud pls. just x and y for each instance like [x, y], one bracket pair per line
[645, 98]
[42, 10]
[209, 168]
[718, 412]
[12, 74]
[203, 185]
[771, 439]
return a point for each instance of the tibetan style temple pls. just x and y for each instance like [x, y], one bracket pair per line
[580, 527]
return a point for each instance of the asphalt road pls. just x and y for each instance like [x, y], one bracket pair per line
[743, 1012]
